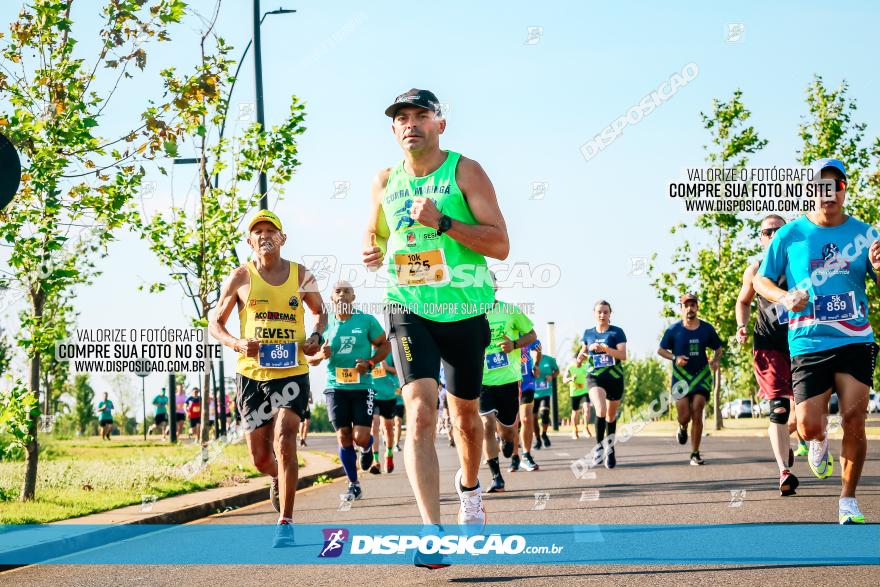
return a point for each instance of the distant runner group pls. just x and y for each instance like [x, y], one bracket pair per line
[434, 219]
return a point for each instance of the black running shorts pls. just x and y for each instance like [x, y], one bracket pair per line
[501, 399]
[577, 400]
[384, 407]
[256, 401]
[813, 374]
[613, 387]
[541, 403]
[419, 345]
[349, 407]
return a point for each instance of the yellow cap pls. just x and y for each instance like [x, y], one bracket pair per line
[265, 216]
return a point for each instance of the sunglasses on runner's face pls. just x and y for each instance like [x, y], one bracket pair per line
[768, 232]
[839, 184]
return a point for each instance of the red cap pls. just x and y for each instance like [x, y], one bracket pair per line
[688, 297]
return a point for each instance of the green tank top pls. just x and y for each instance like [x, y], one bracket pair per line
[434, 276]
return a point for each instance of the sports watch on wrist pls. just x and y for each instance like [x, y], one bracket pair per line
[444, 225]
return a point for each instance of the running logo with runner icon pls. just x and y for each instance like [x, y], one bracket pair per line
[346, 344]
[334, 541]
[406, 220]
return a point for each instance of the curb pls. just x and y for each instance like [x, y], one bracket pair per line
[100, 536]
[203, 510]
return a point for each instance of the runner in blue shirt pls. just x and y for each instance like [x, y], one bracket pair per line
[603, 348]
[826, 257]
[529, 394]
[685, 343]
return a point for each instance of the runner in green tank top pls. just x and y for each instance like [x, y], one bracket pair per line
[436, 217]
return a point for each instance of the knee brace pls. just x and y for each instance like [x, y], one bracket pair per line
[545, 417]
[780, 408]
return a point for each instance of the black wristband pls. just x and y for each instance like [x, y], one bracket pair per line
[516, 344]
[320, 337]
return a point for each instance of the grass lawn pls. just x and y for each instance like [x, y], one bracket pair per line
[88, 475]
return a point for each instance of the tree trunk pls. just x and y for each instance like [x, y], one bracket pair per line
[32, 451]
[716, 400]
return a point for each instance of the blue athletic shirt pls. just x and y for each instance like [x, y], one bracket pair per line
[528, 364]
[692, 344]
[837, 259]
[601, 364]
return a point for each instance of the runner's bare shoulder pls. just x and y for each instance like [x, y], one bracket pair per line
[239, 282]
[380, 180]
[468, 169]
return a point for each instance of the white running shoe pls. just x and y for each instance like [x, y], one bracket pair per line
[471, 512]
[820, 460]
[849, 512]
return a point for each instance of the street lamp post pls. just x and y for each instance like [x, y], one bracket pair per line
[264, 200]
[143, 372]
[172, 412]
[258, 78]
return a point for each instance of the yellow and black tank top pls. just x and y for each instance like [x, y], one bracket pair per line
[274, 315]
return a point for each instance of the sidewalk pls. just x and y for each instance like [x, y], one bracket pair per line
[21, 542]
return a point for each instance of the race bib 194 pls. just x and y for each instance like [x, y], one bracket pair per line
[347, 375]
[278, 356]
[422, 268]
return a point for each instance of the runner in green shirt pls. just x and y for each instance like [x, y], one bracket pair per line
[351, 338]
[105, 416]
[386, 388]
[546, 370]
[576, 378]
[499, 396]
[160, 402]
[436, 217]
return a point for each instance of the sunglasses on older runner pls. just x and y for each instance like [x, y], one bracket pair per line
[768, 232]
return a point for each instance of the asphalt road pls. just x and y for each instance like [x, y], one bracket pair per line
[653, 484]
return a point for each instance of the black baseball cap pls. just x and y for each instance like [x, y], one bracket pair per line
[415, 97]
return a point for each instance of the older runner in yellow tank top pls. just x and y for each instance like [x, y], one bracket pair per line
[272, 376]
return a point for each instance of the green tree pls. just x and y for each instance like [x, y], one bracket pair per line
[320, 421]
[84, 403]
[126, 397]
[644, 380]
[5, 352]
[196, 244]
[54, 373]
[18, 408]
[713, 266]
[73, 179]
